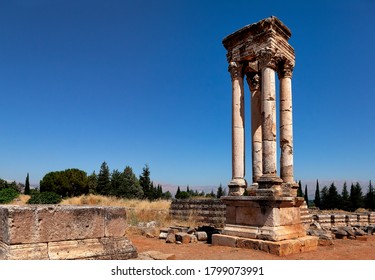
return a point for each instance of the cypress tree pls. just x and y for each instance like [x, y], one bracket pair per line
[306, 196]
[317, 195]
[27, 185]
[178, 193]
[370, 197]
[299, 191]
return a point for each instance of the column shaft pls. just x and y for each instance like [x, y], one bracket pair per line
[269, 121]
[238, 182]
[286, 130]
[253, 81]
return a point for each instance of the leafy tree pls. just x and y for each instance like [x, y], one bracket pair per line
[333, 200]
[356, 199]
[27, 185]
[306, 196]
[145, 182]
[104, 180]
[317, 195]
[67, 183]
[44, 198]
[167, 195]
[7, 195]
[345, 199]
[370, 197]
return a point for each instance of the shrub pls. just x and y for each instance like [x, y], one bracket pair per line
[45, 198]
[7, 195]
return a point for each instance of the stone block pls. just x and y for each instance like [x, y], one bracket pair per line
[171, 238]
[183, 237]
[201, 235]
[37, 251]
[224, 240]
[98, 248]
[156, 255]
[114, 221]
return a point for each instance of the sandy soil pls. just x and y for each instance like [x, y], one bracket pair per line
[341, 250]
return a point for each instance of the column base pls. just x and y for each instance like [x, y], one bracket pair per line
[269, 185]
[237, 187]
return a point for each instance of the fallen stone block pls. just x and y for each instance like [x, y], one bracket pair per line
[201, 235]
[155, 255]
[183, 237]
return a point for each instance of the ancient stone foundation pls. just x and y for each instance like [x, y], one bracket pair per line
[55, 232]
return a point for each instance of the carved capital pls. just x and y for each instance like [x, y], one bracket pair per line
[235, 69]
[253, 80]
[267, 58]
[285, 69]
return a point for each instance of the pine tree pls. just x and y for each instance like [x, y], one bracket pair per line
[117, 183]
[370, 197]
[104, 180]
[131, 188]
[27, 185]
[323, 198]
[317, 195]
[306, 196]
[333, 198]
[145, 182]
[92, 182]
[356, 199]
[345, 199]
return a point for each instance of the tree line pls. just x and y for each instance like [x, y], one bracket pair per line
[329, 198]
[125, 184]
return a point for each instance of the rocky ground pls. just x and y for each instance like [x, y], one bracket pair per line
[342, 249]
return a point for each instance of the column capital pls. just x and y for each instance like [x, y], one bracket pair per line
[235, 69]
[285, 69]
[253, 80]
[267, 58]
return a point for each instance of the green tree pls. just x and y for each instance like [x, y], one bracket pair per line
[356, 199]
[167, 195]
[27, 185]
[117, 183]
[131, 187]
[370, 197]
[220, 191]
[324, 198]
[92, 182]
[317, 195]
[345, 199]
[104, 180]
[178, 192]
[333, 198]
[306, 196]
[67, 183]
[145, 182]
[299, 191]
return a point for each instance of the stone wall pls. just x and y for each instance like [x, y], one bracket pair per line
[202, 211]
[43, 232]
[331, 220]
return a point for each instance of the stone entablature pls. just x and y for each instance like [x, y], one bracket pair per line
[43, 232]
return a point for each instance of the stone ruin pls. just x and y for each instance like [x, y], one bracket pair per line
[56, 232]
[269, 216]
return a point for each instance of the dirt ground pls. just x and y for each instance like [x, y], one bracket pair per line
[341, 250]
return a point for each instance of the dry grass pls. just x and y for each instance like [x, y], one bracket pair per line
[138, 211]
[20, 200]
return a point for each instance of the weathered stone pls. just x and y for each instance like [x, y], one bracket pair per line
[171, 238]
[163, 235]
[64, 232]
[155, 255]
[201, 235]
[183, 237]
[193, 238]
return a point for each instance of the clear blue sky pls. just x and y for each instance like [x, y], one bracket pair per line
[146, 82]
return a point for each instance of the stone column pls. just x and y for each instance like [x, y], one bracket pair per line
[286, 123]
[268, 114]
[238, 184]
[253, 81]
